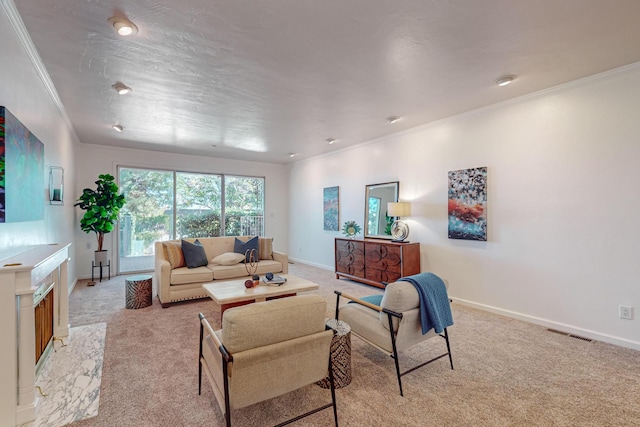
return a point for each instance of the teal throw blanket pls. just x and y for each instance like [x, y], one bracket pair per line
[435, 310]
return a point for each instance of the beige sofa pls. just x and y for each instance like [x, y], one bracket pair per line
[174, 284]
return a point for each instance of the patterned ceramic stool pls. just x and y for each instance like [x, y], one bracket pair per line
[138, 291]
[340, 354]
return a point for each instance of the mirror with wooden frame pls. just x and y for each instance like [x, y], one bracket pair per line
[377, 224]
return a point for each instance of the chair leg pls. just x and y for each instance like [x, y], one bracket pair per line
[200, 361]
[333, 393]
[199, 377]
[395, 353]
[446, 338]
[227, 403]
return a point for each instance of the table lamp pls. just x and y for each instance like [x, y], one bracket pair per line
[399, 228]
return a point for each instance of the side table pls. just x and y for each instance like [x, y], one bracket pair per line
[340, 354]
[138, 291]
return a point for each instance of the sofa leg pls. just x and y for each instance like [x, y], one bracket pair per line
[164, 304]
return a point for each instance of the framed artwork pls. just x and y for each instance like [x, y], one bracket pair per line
[467, 204]
[331, 208]
[56, 185]
[21, 171]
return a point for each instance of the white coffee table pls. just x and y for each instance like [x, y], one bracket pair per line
[233, 293]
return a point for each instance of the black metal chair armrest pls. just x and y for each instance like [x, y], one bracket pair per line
[364, 303]
[204, 323]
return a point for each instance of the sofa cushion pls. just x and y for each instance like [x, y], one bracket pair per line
[227, 258]
[173, 254]
[185, 275]
[239, 270]
[241, 247]
[194, 254]
[265, 245]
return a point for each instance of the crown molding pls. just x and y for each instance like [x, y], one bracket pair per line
[15, 19]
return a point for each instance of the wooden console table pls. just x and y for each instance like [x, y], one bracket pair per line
[375, 261]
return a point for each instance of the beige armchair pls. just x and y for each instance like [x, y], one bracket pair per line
[393, 325]
[265, 350]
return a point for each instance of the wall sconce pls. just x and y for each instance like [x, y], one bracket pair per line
[399, 228]
[56, 185]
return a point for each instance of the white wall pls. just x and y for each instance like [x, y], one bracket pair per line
[563, 169]
[24, 93]
[94, 160]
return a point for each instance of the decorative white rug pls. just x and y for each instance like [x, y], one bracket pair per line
[71, 378]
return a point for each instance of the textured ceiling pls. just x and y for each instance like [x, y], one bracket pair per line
[261, 79]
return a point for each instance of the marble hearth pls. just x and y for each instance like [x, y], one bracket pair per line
[22, 277]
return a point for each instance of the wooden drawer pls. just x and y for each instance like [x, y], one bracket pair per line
[381, 276]
[346, 247]
[375, 262]
[350, 257]
[383, 257]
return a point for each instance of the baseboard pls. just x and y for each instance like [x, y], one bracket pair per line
[73, 285]
[622, 342]
[313, 264]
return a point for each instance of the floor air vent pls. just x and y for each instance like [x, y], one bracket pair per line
[580, 338]
[555, 331]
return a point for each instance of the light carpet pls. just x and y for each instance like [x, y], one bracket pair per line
[507, 372]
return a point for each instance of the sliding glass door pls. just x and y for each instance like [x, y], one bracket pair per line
[166, 205]
[199, 205]
[243, 206]
[145, 218]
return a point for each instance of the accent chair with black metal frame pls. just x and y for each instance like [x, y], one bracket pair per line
[392, 326]
[267, 349]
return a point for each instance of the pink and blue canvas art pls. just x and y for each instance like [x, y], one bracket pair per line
[467, 204]
[331, 208]
[22, 190]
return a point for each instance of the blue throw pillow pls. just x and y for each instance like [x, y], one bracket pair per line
[241, 247]
[194, 254]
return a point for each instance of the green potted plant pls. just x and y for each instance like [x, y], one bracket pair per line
[102, 206]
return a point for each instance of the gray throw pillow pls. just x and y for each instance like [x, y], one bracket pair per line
[194, 254]
[241, 247]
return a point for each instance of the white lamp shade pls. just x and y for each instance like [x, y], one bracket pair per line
[398, 208]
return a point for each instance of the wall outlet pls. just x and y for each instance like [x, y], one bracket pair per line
[626, 312]
[88, 245]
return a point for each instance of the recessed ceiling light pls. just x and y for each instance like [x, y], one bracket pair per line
[293, 154]
[117, 128]
[505, 80]
[123, 26]
[121, 88]
[393, 119]
[331, 140]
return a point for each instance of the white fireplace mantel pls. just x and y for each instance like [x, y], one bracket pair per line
[20, 277]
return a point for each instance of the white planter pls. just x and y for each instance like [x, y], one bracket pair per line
[101, 257]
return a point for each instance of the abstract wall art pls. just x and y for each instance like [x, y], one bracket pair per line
[331, 208]
[21, 171]
[467, 201]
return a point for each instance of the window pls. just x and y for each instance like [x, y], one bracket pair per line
[244, 206]
[166, 205]
[198, 205]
